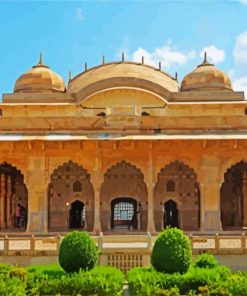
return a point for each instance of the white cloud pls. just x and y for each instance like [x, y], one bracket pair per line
[240, 49]
[240, 84]
[167, 55]
[243, 1]
[215, 54]
[79, 14]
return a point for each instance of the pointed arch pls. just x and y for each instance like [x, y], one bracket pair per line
[185, 192]
[13, 198]
[123, 180]
[61, 195]
[233, 197]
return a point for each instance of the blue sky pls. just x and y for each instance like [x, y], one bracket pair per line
[70, 33]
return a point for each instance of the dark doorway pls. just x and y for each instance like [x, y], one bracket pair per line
[233, 197]
[124, 213]
[77, 215]
[170, 214]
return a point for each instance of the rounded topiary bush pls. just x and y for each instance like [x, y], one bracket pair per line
[206, 261]
[77, 251]
[171, 252]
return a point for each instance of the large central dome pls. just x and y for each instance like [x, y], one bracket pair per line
[121, 74]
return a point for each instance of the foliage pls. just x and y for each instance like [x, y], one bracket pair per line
[144, 281]
[98, 281]
[212, 291]
[77, 251]
[18, 272]
[53, 280]
[12, 286]
[237, 284]
[52, 270]
[171, 252]
[206, 261]
[5, 268]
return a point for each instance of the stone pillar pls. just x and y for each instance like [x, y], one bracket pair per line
[96, 179]
[211, 193]
[9, 204]
[202, 207]
[37, 172]
[244, 192]
[2, 218]
[150, 178]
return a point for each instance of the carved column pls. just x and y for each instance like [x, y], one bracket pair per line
[202, 209]
[9, 193]
[150, 226]
[36, 181]
[97, 185]
[244, 192]
[2, 219]
[209, 172]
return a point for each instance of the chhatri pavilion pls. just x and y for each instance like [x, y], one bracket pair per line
[123, 148]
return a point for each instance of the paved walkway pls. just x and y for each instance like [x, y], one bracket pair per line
[126, 289]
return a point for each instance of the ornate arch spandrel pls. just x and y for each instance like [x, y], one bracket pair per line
[61, 195]
[14, 197]
[186, 195]
[228, 163]
[123, 179]
[233, 196]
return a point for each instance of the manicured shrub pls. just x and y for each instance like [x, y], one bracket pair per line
[105, 281]
[147, 281]
[77, 251]
[200, 277]
[171, 252]
[206, 261]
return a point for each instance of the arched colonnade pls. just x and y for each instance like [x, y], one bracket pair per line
[123, 198]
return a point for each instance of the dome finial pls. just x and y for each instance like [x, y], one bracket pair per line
[41, 59]
[122, 56]
[205, 60]
[40, 63]
[70, 75]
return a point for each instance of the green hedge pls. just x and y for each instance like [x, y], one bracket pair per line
[148, 281]
[52, 280]
[216, 281]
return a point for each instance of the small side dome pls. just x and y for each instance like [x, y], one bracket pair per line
[206, 77]
[39, 79]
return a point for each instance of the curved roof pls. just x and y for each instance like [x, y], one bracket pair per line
[39, 79]
[122, 74]
[206, 76]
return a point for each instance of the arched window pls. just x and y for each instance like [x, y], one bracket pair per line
[77, 186]
[170, 186]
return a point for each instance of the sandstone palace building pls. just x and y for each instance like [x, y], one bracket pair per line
[123, 148]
